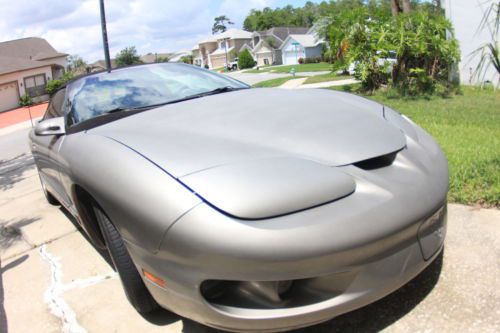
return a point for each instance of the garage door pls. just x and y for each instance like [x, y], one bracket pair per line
[289, 58]
[9, 97]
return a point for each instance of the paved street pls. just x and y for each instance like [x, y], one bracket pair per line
[253, 78]
[53, 280]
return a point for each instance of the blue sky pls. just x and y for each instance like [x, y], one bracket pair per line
[73, 26]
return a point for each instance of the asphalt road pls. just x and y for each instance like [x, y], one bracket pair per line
[53, 280]
[253, 78]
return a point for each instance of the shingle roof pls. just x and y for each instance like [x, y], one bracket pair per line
[304, 40]
[26, 53]
[234, 34]
[283, 32]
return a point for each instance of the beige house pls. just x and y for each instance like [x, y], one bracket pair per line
[26, 65]
[229, 43]
[205, 48]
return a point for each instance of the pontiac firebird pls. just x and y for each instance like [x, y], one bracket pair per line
[243, 209]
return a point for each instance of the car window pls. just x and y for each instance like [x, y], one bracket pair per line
[54, 109]
[139, 86]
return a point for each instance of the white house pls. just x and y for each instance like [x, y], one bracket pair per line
[300, 46]
[466, 16]
[26, 65]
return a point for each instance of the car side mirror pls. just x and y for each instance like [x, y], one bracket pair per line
[52, 126]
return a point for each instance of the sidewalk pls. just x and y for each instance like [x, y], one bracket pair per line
[22, 114]
[299, 84]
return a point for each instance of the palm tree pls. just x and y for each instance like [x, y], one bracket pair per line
[406, 6]
[220, 24]
[395, 8]
[489, 53]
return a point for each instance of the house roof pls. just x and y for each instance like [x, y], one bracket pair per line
[151, 57]
[26, 53]
[304, 40]
[176, 57]
[234, 34]
[283, 32]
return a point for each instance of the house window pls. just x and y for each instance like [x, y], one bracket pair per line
[266, 61]
[35, 85]
[223, 44]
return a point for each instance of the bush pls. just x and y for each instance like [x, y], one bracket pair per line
[301, 61]
[245, 60]
[315, 60]
[424, 51]
[53, 85]
[25, 100]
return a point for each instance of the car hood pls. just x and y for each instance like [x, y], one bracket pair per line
[327, 127]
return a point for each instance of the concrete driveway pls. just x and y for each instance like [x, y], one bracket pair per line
[53, 280]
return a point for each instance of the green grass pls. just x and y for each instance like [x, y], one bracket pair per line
[274, 82]
[326, 78]
[319, 67]
[467, 127]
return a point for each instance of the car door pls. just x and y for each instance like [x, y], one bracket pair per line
[45, 149]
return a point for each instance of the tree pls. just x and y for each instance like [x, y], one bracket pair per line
[395, 8]
[76, 64]
[406, 6]
[489, 53]
[187, 59]
[162, 59]
[127, 56]
[220, 24]
[245, 59]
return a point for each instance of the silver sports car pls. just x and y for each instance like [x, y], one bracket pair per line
[243, 209]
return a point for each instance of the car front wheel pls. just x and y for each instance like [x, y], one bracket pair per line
[135, 289]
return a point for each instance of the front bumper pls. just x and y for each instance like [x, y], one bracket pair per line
[366, 283]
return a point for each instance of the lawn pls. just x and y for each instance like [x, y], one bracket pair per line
[468, 129]
[319, 67]
[274, 82]
[326, 78]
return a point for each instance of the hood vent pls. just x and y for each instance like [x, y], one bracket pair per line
[377, 162]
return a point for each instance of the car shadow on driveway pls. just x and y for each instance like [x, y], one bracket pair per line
[12, 170]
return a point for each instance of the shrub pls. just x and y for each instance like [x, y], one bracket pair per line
[245, 59]
[53, 85]
[25, 100]
[301, 61]
[187, 59]
[423, 42]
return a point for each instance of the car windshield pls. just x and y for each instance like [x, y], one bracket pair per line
[140, 87]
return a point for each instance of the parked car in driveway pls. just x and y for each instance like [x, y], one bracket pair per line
[243, 209]
[389, 60]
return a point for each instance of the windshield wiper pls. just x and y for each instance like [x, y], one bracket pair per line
[206, 93]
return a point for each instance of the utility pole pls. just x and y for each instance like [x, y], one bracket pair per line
[225, 46]
[105, 36]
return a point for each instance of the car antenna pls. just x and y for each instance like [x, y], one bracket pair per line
[105, 36]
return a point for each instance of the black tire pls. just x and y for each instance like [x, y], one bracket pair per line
[135, 289]
[50, 198]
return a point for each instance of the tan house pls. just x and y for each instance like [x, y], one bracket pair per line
[26, 65]
[205, 48]
[229, 43]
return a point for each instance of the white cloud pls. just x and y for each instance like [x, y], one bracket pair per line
[73, 26]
